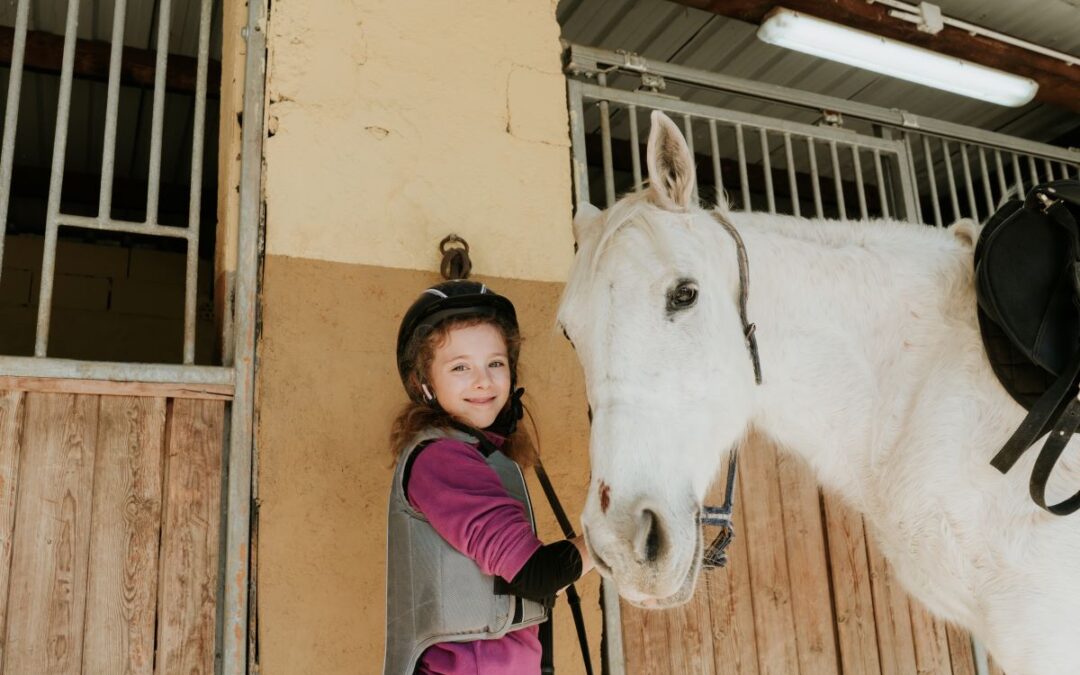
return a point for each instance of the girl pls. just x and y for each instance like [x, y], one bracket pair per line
[468, 582]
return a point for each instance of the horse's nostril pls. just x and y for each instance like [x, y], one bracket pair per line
[649, 537]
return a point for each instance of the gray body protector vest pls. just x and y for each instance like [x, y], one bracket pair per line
[435, 593]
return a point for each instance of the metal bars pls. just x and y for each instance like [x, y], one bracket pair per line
[54, 217]
[11, 116]
[914, 176]
[780, 179]
[979, 188]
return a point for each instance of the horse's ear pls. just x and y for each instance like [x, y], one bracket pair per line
[586, 221]
[671, 166]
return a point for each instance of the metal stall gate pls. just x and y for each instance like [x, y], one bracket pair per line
[806, 591]
[125, 487]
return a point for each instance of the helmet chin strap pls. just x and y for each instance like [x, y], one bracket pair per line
[506, 422]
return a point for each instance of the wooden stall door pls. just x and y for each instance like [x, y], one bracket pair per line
[805, 592]
[109, 532]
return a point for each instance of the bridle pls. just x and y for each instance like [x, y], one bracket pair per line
[715, 554]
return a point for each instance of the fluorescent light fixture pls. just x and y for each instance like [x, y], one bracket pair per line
[804, 33]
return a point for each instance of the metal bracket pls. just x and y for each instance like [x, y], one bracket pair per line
[907, 120]
[830, 118]
[633, 61]
[930, 19]
[653, 83]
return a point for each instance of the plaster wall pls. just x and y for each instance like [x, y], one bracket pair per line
[390, 125]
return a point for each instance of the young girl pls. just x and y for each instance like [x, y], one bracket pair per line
[468, 582]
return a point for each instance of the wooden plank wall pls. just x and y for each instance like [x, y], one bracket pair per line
[109, 532]
[805, 593]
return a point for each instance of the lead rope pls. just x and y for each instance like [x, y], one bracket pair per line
[716, 553]
[572, 597]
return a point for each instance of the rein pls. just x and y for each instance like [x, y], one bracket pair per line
[720, 516]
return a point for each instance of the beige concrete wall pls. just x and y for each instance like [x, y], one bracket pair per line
[396, 122]
[393, 123]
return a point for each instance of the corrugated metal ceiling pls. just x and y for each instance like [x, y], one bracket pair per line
[662, 30]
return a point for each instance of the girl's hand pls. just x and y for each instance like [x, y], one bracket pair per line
[586, 560]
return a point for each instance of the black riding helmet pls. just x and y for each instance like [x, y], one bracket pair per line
[444, 301]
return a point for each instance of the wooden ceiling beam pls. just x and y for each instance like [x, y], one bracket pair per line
[44, 52]
[1059, 83]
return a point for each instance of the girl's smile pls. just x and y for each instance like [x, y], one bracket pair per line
[470, 374]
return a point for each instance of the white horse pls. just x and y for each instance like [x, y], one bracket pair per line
[873, 372]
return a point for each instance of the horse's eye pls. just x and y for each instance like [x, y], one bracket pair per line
[684, 295]
[567, 336]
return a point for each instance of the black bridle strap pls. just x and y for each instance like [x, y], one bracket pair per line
[744, 292]
[715, 555]
[721, 517]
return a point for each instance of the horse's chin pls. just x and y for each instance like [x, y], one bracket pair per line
[685, 592]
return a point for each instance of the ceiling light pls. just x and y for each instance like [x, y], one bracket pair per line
[804, 33]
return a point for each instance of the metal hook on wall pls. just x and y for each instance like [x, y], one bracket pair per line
[455, 258]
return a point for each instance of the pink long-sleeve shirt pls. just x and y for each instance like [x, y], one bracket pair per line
[464, 500]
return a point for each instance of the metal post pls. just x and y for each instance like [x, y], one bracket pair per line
[792, 184]
[905, 172]
[11, 116]
[914, 179]
[859, 181]
[242, 462]
[718, 180]
[837, 181]
[158, 113]
[1034, 171]
[577, 136]
[882, 195]
[986, 181]
[766, 165]
[56, 181]
[605, 148]
[635, 151]
[1018, 176]
[688, 134]
[195, 196]
[968, 185]
[744, 182]
[932, 179]
[112, 97]
[1002, 185]
[819, 211]
[953, 198]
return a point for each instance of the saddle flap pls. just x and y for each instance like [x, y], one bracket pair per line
[1024, 278]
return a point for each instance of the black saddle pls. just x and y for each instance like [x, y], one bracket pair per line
[1027, 278]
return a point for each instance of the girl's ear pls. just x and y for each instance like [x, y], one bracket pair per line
[428, 396]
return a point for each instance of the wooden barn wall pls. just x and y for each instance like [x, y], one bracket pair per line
[805, 592]
[109, 532]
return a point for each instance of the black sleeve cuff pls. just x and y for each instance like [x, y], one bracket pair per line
[551, 568]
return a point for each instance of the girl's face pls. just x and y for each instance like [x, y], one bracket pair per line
[470, 374]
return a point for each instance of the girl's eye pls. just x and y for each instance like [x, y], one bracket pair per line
[496, 364]
[458, 368]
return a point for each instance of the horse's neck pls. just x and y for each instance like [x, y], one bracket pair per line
[849, 326]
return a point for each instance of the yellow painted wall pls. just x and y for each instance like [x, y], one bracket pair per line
[396, 122]
[393, 123]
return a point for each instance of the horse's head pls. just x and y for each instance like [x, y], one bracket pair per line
[652, 310]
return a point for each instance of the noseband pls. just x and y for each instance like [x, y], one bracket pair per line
[720, 516]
